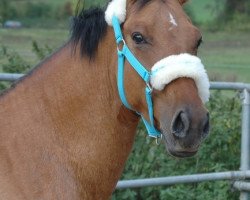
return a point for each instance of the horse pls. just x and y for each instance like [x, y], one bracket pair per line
[67, 129]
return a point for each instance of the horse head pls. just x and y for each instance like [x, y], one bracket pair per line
[163, 39]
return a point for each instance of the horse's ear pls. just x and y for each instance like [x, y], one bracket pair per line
[182, 1]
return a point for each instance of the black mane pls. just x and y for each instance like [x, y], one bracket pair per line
[88, 28]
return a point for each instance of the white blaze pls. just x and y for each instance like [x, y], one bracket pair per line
[172, 20]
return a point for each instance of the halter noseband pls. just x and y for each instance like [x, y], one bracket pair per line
[123, 53]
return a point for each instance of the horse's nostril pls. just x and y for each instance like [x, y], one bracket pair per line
[206, 127]
[180, 125]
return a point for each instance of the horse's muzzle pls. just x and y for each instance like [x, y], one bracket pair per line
[181, 125]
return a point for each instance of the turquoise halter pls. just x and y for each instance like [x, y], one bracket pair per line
[143, 73]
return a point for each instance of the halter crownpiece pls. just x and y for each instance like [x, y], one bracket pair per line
[162, 73]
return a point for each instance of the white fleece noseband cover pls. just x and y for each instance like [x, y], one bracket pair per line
[176, 66]
[171, 67]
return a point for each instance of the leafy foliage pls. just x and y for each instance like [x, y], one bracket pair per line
[37, 10]
[6, 11]
[14, 63]
[41, 52]
[236, 6]
[220, 152]
[234, 15]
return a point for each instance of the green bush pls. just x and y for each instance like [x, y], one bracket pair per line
[37, 10]
[6, 11]
[41, 52]
[64, 11]
[220, 152]
[234, 15]
[14, 63]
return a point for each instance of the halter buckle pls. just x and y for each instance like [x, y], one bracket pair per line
[158, 140]
[149, 87]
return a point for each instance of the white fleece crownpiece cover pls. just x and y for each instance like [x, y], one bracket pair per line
[183, 65]
[116, 8]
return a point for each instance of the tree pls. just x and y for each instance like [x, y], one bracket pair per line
[4, 8]
[234, 7]
[6, 11]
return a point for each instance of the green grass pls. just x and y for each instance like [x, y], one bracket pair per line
[226, 56]
[20, 40]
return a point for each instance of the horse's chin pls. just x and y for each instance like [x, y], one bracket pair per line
[181, 154]
[177, 151]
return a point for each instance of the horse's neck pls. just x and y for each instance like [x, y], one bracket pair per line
[69, 125]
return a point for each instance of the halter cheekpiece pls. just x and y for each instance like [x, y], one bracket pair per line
[123, 53]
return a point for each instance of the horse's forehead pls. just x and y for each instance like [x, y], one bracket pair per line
[157, 11]
[147, 10]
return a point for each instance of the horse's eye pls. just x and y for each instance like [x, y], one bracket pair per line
[138, 38]
[199, 42]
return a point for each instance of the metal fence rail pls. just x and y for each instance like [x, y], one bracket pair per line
[10, 77]
[196, 178]
[240, 177]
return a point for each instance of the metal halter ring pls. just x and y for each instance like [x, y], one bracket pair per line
[121, 44]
